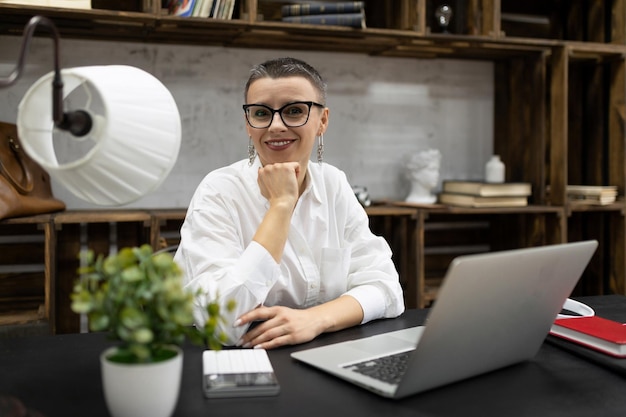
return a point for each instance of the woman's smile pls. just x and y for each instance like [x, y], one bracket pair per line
[279, 144]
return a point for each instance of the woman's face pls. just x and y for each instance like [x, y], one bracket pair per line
[279, 143]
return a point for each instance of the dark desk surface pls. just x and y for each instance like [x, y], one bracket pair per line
[60, 376]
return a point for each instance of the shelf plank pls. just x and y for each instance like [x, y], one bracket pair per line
[445, 209]
[101, 216]
[111, 25]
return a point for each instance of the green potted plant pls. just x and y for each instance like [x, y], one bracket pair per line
[137, 296]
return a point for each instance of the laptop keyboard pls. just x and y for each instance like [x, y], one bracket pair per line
[387, 368]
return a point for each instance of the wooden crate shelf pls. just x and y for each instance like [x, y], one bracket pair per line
[559, 118]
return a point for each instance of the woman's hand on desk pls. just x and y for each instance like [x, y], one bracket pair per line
[279, 326]
[282, 326]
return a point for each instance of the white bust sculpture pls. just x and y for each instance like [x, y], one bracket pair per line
[422, 169]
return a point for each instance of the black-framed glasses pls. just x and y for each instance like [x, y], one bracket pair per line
[296, 114]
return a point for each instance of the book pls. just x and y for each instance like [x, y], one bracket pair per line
[230, 10]
[594, 332]
[197, 9]
[205, 8]
[591, 194]
[487, 189]
[467, 200]
[321, 8]
[182, 8]
[224, 9]
[355, 20]
[214, 8]
[595, 190]
[594, 195]
[591, 200]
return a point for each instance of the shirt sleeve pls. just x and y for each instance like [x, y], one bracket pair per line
[217, 266]
[373, 279]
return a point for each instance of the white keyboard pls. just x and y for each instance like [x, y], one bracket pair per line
[237, 373]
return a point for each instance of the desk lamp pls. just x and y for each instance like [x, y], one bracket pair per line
[120, 145]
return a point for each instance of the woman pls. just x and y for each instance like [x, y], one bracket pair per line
[284, 238]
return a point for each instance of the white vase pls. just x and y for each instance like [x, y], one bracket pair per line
[494, 170]
[141, 390]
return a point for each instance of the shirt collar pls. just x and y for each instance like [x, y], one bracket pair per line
[314, 177]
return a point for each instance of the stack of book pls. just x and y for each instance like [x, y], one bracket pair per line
[217, 9]
[483, 194]
[595, 195]
[342, 13]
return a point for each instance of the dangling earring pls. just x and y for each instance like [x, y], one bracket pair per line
[251, 153]
[320, 149]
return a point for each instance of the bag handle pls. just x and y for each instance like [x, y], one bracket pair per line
[28, 185]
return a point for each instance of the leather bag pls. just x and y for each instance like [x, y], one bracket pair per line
[24, 185]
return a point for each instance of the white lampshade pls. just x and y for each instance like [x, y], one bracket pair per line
[132, 146]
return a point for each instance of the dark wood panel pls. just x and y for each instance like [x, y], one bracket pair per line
[519, 122]
[22, 272]
[74, 234]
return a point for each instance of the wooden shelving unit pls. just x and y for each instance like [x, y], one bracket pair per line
[36, 289]
[560, 94]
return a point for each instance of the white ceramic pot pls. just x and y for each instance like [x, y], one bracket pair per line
[141, 390]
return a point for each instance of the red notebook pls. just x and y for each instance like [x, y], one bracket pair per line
[598, 333]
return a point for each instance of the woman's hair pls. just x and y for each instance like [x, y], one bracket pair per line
[287, 67]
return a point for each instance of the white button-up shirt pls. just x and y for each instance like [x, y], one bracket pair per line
[330, 250]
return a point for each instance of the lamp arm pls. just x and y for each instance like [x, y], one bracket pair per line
[29, 30]
[78, 122]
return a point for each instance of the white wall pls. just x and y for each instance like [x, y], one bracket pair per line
[382, 109]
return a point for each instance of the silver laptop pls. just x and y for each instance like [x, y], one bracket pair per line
[493, 310]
